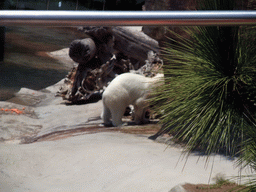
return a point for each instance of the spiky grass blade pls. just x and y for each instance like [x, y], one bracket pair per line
[208, 100]
[205, 96]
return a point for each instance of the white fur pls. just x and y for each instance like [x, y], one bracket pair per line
[126, 89]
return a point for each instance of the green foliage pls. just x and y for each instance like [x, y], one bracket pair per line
[208, 100]
[209, 94]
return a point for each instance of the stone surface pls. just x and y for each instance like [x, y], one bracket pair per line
[107, 161]
[15, 126]
[62, 56]
[178, 188]
[44, 114]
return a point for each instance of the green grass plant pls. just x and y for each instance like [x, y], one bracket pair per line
[208, 98]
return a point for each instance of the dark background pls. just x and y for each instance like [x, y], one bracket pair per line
[72, 4]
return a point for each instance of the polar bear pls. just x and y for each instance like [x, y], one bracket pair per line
[126, 89]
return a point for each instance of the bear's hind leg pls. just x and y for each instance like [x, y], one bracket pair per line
[106, 115]
[139, 111]
[138, 115]
[117, 114]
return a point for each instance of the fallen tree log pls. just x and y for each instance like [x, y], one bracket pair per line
[134, 44]
[108, 52]
[82, 50]
[130, 43]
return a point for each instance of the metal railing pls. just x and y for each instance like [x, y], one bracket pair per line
[129, 18]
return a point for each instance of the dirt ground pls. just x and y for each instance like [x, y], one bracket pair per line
[232, 187]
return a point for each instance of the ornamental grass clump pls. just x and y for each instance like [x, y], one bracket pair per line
[208, 100]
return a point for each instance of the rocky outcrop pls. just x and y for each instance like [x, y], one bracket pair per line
[158, 32]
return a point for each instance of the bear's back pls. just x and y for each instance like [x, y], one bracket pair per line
[134, 85]
[131, 81]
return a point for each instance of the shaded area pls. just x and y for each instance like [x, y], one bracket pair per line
[13, 77]
[26, 62]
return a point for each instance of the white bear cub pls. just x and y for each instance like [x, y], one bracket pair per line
[126, 89]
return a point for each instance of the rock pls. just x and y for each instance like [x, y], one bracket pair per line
[28, 97]
[63, 57]
[61, 117]
[110, 161]
[178, 188]
[158, 32]
[43, 114]
[17, 126]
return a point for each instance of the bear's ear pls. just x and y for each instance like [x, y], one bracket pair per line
[157, 80]
[158, 77]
